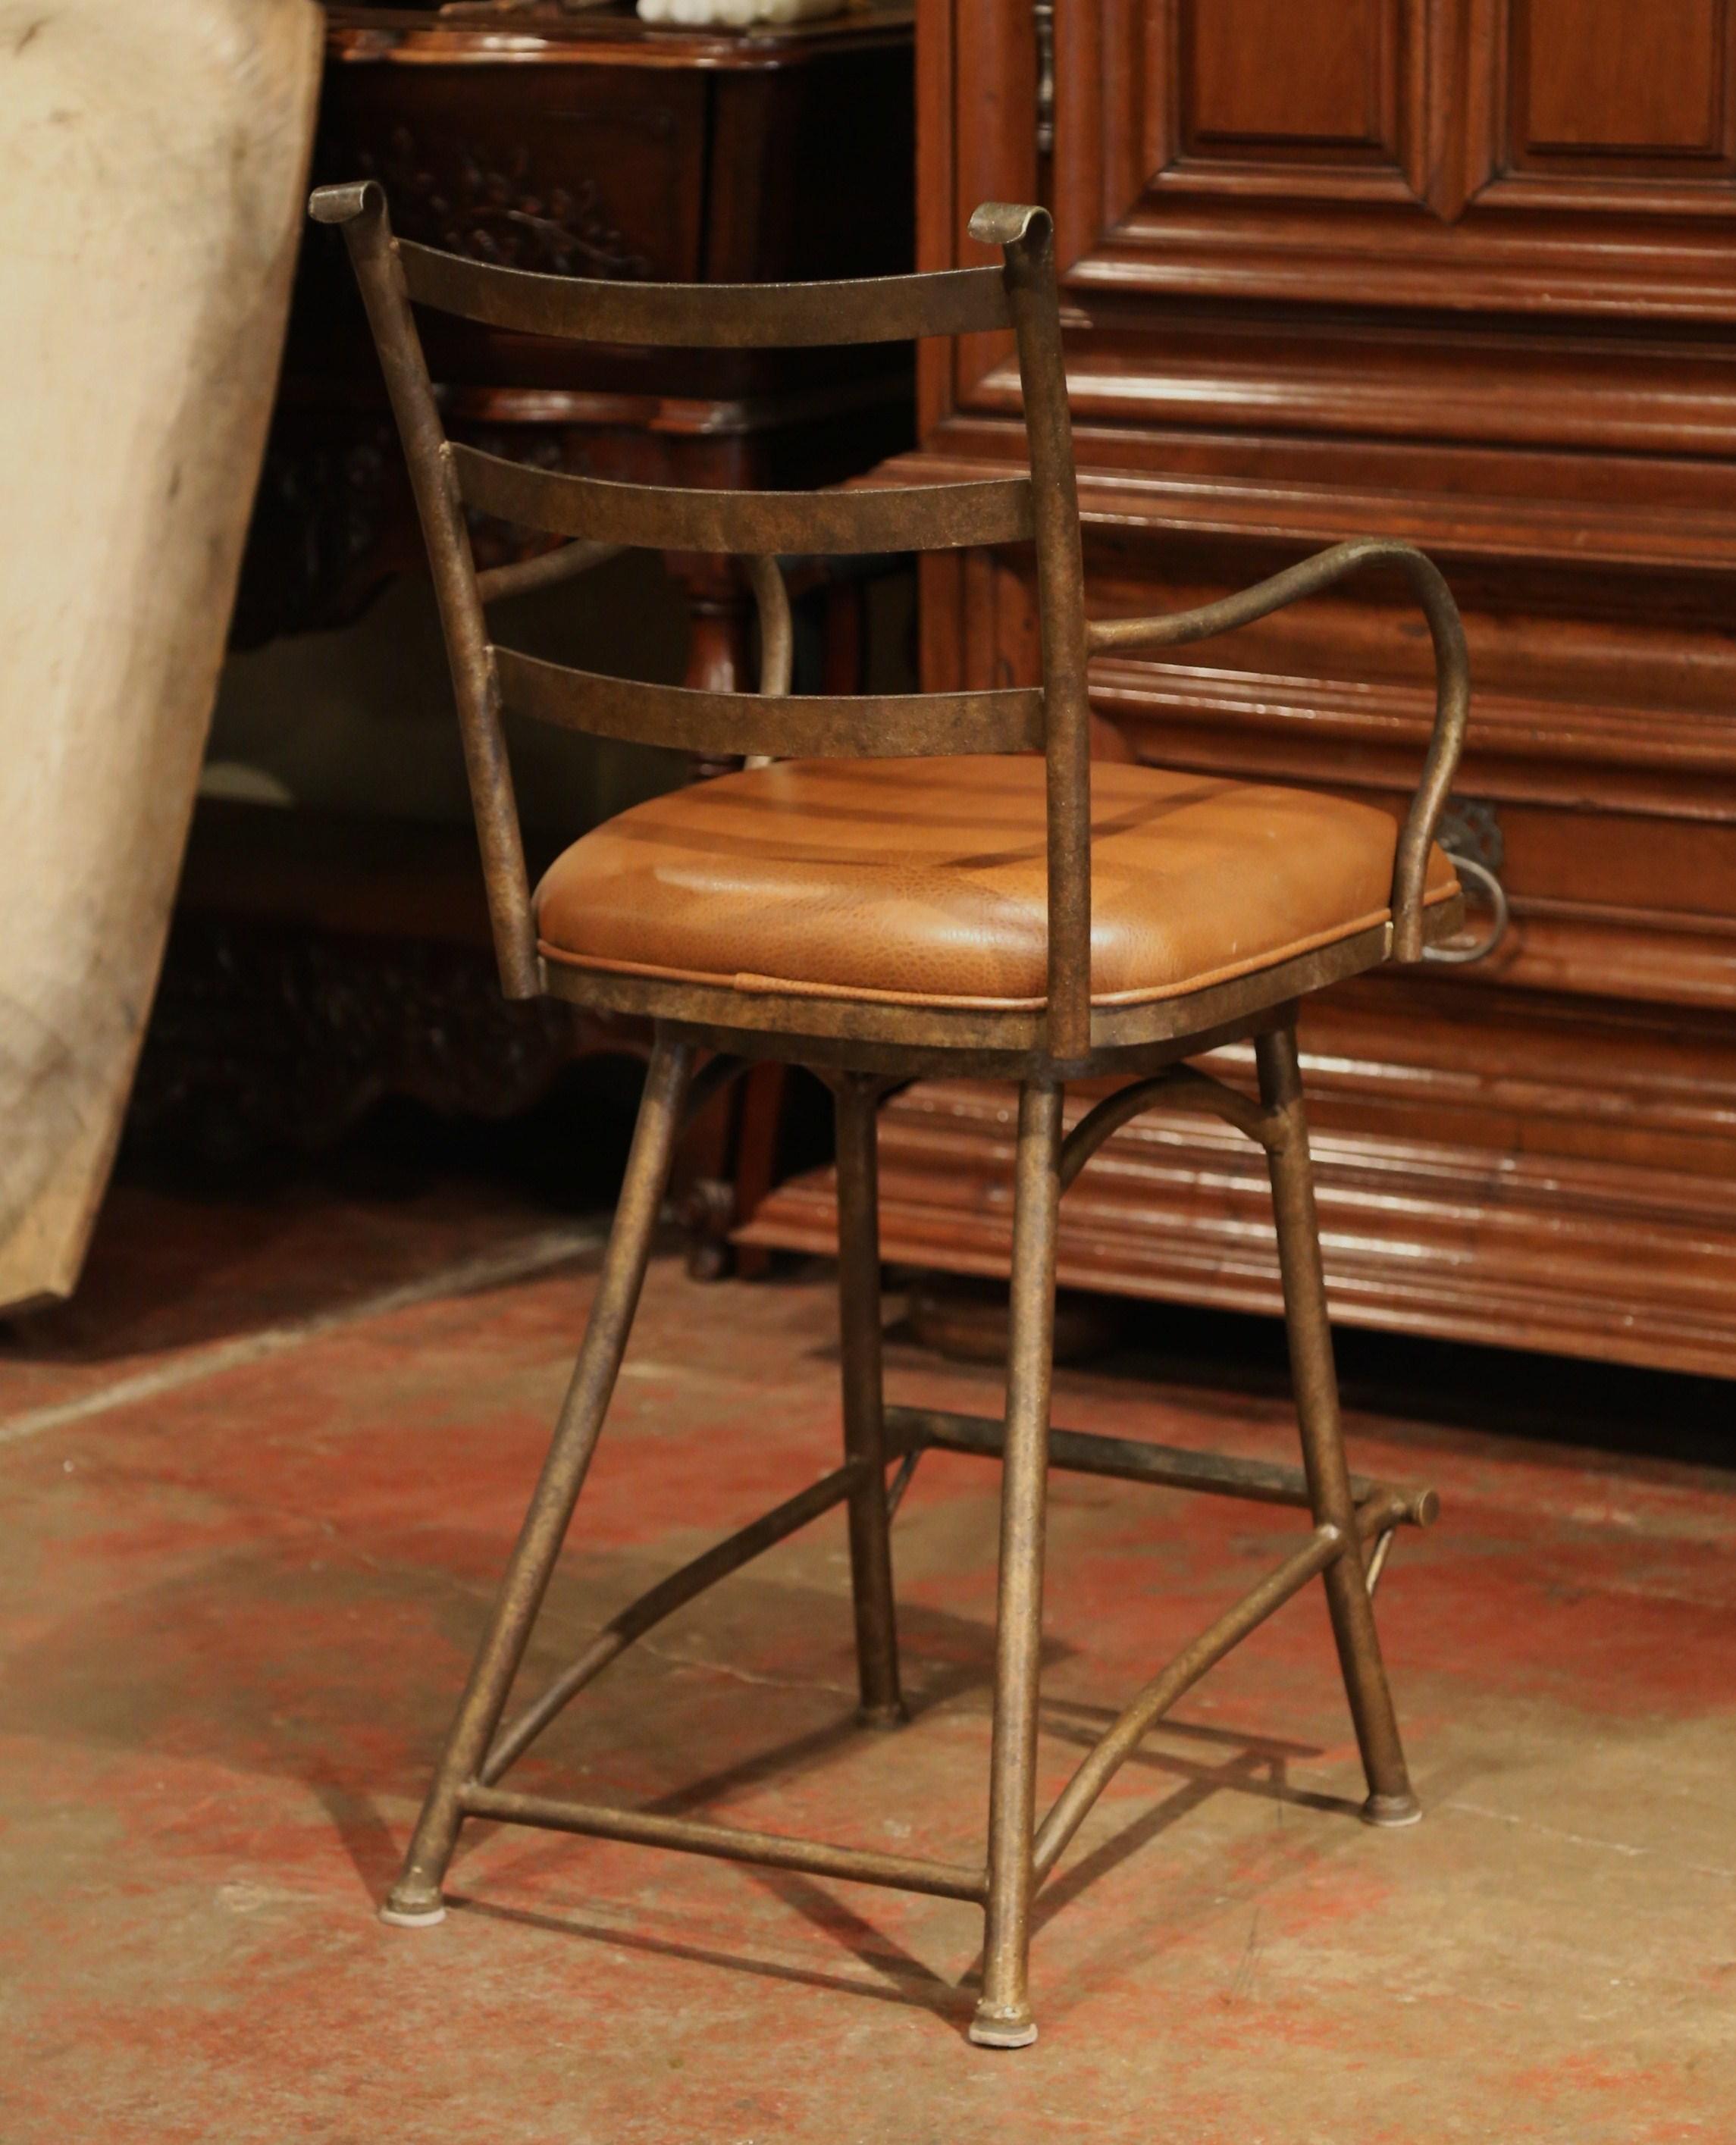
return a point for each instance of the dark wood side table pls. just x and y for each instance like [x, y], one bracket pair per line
[595, 145]
[592, 145]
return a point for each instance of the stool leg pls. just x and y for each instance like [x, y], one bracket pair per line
[415, 1898]
[1390, 1800]
[859, 1322]
[1003, 2017]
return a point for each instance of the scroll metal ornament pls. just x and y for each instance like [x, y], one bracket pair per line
[1470, 835]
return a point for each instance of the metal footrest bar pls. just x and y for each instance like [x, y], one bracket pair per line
[663, 1599]
[903, 1873]
[1118, 1743]
[910, 1432]
[1133, 1460]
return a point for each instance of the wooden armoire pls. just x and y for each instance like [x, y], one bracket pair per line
[1458, 271]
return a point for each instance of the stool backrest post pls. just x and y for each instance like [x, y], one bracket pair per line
[396, 276]
[1027, 236]
[361, 212]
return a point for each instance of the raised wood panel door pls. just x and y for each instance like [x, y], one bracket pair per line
[1597, 85]
[1270, 88]
[1423, 154]
[1325, 85]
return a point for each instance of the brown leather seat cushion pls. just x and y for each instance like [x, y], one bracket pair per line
[922, 881]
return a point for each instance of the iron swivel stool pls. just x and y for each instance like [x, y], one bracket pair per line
[863, 899]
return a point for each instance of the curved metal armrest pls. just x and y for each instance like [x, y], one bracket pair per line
[777, 635]
[777, 628]
[1452, 685]
[544, 569]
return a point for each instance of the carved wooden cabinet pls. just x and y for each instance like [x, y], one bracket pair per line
[1464, 272]
[581, 143]
[590, 144]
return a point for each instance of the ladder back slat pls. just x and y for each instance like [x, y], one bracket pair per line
[929, 517]
[708, 316]
[877, 725]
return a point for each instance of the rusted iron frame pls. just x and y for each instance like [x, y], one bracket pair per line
[718, 1073]
[374, 254]
[704, 317]
[1013, 1869]
[481, 1798]
[806, 726]
[1026, 1854]
[392, 273]
[1323, 1549]
[1003, 2018]
[1181, 1084]
[1452, 689]
[1313, 1378]
[1381, 1508]
[417, 1895]
[773, 1850]
[913, 1038]
[1023, 294]
[1270, 1126]
[837, 523]
[862, 1378]
[777, 635]
[1388, 1507]
[1026, 238]
[546, 570]
[680, 1587]
[860, 1045]
[1384, 1508]
[910, 1430]
[712, 1078]
[777, 628]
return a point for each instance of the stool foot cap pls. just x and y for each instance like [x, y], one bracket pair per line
[412, 1918]
[1392, 1810]
[996, 2030]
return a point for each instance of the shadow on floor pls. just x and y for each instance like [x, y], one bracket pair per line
[1602, 1407]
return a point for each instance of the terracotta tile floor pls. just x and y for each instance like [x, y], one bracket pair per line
[240, 1586]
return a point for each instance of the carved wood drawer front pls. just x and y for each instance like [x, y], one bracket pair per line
[1537, 160]
[1454, 137]
[570, 169]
